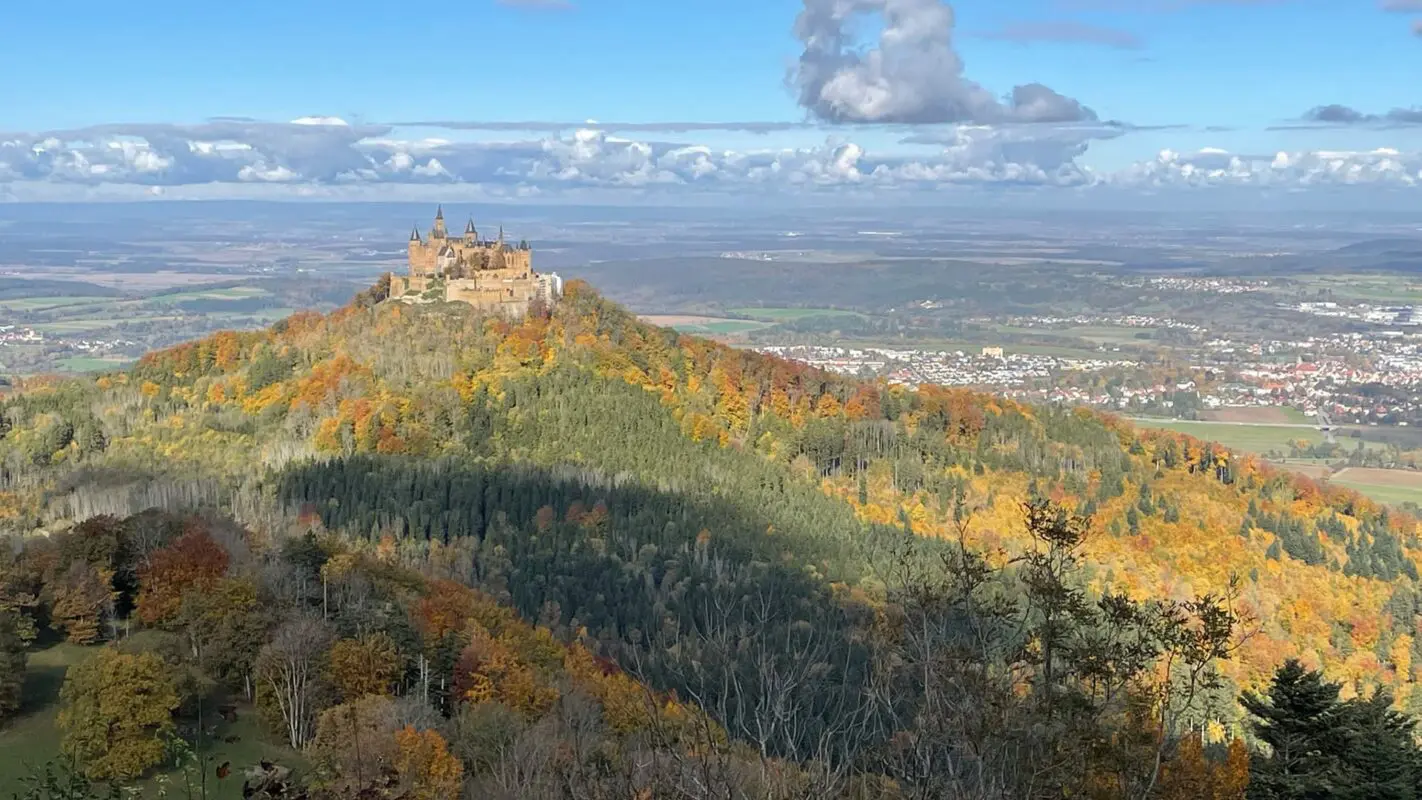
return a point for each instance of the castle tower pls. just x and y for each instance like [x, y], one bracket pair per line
[470, 234]
[416, 245]
[438, 231]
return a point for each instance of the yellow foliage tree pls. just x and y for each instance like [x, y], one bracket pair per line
[364, 666]
[1190, 775]
[117, 713]
[428, 771]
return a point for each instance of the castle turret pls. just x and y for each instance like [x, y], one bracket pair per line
[416, 245]
[470, 234]
[438, 231]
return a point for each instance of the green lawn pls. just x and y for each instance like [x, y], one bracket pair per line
[789, 314]
[32, 739]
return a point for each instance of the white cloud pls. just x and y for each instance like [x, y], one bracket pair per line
[336, 122]
[261, 172]
[1213, 167]
[326, 157]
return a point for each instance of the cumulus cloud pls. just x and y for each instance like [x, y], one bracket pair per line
[1065, 31]
[327, 154]
[239, 158]
[1290, 170]
[912, 75]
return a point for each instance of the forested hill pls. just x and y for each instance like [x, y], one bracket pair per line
[637, 487]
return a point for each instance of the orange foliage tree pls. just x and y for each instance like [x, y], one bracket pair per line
[194, 560]
[426, 767]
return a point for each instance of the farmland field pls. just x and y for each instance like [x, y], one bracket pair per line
[1262, 438]
[1256, 414]
[1384, 485]
[85, 325]
[91, 363]
[789, 314]
[45, 303]
[1404, 484]
[228, 293]
[1306, 467]
[1096, 334]
[689, 323]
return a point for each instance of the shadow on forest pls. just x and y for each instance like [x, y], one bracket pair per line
[679, 582]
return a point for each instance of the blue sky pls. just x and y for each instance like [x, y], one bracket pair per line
[1196, 66]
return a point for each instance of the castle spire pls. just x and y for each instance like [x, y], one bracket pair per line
[438, 232]
[439, 211]
[415, 233]
[469, 229]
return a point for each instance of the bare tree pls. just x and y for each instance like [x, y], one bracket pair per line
[290, 666]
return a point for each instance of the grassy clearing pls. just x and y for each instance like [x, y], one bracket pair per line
[790, 314]
[32, 739]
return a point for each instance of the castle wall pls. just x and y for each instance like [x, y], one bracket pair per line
[422, 259]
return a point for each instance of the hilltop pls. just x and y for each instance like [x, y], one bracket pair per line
[616, 482]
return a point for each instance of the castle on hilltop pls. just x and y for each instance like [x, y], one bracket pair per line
[490, 275]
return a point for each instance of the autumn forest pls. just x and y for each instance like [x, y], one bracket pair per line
[420, 552]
